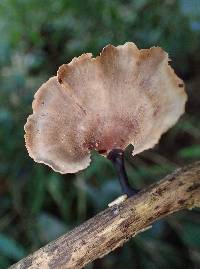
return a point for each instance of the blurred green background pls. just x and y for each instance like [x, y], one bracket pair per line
[36, 204]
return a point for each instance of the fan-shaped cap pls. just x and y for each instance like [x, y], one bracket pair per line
[124, 96]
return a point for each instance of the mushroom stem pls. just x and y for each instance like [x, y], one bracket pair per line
[116, 156]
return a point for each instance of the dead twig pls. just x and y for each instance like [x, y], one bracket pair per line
[114, 226]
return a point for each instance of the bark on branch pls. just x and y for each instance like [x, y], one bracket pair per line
[117, 224]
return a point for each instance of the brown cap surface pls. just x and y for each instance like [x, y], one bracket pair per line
[124, 96]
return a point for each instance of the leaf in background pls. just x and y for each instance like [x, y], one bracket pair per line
[50, 227]
[190, 152]
[4, 262]
[55, 187]
[37, 191]
[11, 248]
[190, 234]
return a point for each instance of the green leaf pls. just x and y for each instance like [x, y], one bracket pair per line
[50, 227]
[4, 262]
[11, 248]
[37, 191]
[191, 234]
[190, 152]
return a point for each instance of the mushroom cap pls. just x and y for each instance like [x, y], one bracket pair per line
[124, 96]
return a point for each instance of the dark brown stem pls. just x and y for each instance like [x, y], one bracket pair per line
[117, 158]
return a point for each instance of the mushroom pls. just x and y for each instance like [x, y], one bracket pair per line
[124, 96]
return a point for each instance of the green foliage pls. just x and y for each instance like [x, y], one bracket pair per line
[190, 152]
[37, 205]
[10, 248]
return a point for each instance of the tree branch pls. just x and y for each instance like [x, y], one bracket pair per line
[117, 224]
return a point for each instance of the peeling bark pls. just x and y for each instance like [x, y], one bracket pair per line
[114, 226]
